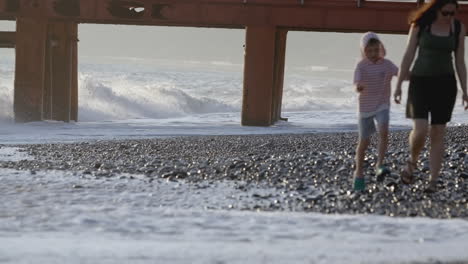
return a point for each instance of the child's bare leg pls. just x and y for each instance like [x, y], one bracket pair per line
[360, 152]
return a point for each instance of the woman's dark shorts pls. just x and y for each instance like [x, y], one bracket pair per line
[431, 94]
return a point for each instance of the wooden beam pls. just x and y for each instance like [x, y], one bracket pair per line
[360, 3]
[29, 69]
[7, 39]
[329, 15]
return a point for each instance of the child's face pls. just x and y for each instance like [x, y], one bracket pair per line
[372, 52]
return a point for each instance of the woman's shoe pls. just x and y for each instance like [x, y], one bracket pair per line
[406, 175]
[432, 187]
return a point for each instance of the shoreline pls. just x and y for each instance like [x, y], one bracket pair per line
[310, 172]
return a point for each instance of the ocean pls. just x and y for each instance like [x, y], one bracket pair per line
[130, 97]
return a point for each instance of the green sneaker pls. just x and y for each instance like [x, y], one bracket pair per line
[359, 184]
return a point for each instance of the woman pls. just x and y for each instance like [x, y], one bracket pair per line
[433, 86]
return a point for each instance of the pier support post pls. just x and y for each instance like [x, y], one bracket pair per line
[280, 61]
[46, 72]
[263, 75]
[61, 90]
[74, 80]
[29, 69]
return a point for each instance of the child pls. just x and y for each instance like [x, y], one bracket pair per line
[372, 78]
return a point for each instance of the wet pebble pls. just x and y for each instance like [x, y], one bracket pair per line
[308, 172]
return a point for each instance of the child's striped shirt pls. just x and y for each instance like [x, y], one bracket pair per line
[376, 79]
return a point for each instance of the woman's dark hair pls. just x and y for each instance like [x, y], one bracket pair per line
[427, 14]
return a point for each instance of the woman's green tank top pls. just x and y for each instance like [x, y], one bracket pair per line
[435, 55]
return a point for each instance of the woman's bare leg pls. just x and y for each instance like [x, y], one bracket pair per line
[417, 139]
[437, 150]
[383, 144]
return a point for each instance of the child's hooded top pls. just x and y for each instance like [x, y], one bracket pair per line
[376, 79]
[365, 39]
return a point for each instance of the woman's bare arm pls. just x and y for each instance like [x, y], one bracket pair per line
[408, 58]
[460, 63]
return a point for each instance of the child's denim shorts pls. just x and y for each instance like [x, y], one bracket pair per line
[367, 124]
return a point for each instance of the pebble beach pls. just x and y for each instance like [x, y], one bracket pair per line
[308, 172]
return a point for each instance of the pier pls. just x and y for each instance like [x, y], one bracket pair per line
[46, 41]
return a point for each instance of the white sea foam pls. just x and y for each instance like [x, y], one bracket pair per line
[61, 217]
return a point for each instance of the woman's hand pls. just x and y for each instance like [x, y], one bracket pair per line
[397, 94]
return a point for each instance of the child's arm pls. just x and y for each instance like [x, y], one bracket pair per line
[393, 69]
[358, 79]
[359, 87]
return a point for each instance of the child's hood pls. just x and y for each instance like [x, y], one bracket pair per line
[365, 39]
